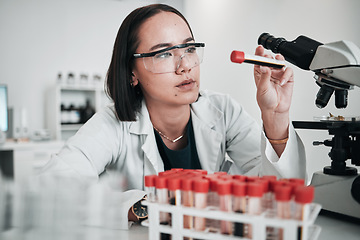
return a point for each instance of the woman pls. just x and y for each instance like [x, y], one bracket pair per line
[161, 119]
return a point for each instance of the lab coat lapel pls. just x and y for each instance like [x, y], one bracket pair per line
[208, 140]
[144, 129]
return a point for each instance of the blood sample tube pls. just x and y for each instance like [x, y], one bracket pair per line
[174, 188]
[283, 210]
[213, 198]
[187, 199]
[225, 201]
[240, 57]
[294, 183]
[200, 189]
[162, 197]
[213, 202]
[266, 202]
[270, 196]
[150, 187]
[304, 195]
[239, 205]
[255, 192]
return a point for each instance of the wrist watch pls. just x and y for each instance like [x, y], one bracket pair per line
[139, 210]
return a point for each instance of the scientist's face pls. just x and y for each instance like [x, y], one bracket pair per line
[176, 86]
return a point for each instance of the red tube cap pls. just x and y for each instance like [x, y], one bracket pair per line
[174, 183]
[237, 56]
[150, 180]
[224, 187]
[254, 189]
[283, 193]
[239, 189]
[161, 182]
[201, 185]
[304, 194]
[186, 183]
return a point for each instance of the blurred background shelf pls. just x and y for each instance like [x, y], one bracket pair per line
[62, 98]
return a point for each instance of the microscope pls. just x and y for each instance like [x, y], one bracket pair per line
[337, 70]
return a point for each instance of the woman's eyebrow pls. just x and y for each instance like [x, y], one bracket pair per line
[160, 45]
[189, 39]
[165, 45]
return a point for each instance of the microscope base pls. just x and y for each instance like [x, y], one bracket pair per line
[334, 193]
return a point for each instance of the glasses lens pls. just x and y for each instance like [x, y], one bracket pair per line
[170, 61]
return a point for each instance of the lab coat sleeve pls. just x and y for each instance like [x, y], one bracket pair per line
[292, 162]
[87, 154]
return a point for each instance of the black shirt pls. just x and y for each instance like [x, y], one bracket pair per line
[186, 158]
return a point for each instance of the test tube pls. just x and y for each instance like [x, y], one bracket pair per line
[283, 210]
[240, 57]
[213, 198]
[200, 189]
[225, 201]
[266, 201]
[304, 195]
[269, 196]
[255, 192]
[294, 183]
[213, 202]
[162, 197]
[187, 199]
[150, 187]
[174, 186]
[239, 205]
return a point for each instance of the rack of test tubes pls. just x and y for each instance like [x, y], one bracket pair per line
[191, 204]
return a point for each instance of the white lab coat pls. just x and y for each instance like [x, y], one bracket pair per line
[221, 128]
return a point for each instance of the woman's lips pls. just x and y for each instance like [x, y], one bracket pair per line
[187, 84]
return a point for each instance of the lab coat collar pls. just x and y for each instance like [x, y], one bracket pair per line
[205, 117]
[144, 128]
[208, 141]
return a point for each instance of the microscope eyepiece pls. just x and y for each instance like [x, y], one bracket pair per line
[270, 42]
[299, 52]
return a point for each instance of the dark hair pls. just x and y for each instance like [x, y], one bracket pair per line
[127, 99]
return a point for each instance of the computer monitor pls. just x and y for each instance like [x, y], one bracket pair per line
[4, 124]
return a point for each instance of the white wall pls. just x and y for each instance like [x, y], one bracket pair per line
[40, 38]
[236, 24]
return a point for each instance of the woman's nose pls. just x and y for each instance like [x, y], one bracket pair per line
[183, 64]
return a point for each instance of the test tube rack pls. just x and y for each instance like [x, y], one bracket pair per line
[259, 223]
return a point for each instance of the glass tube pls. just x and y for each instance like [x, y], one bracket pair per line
[200, 189]
[225, 201]
[150, 187]
[255, 192]
[239, 205]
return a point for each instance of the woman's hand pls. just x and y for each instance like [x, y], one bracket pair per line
[274, 92]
